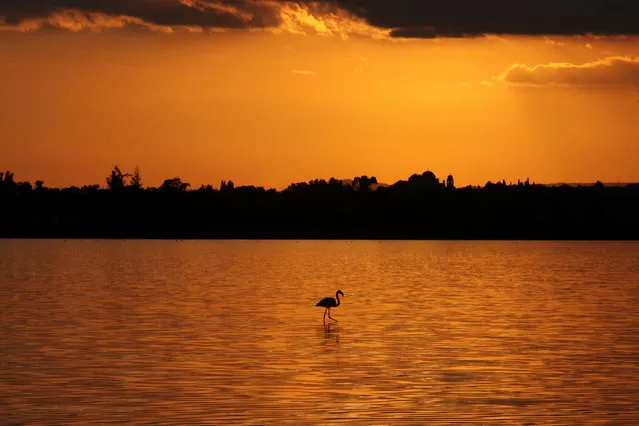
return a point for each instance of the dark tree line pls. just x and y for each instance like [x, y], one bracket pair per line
[420, 207]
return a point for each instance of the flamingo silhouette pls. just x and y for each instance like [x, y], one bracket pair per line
[328, 303]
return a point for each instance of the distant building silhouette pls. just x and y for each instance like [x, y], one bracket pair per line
[450, 182]
[426, 180]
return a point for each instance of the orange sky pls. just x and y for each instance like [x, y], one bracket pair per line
[269, 108]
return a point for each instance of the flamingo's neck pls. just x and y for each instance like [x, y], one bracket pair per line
[338, 302]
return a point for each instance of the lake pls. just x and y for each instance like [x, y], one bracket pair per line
[227, 332]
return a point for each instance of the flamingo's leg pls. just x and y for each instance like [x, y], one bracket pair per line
[325, 310]
[329, 315]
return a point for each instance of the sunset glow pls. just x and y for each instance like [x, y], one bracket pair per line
[268, 93]
[319, 212]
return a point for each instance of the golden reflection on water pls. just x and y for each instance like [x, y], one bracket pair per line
[227, 332]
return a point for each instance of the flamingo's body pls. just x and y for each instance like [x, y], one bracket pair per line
[330, 302]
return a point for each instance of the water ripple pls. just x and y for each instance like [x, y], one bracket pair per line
[226, 332]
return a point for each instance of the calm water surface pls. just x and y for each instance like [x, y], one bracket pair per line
[226, 332]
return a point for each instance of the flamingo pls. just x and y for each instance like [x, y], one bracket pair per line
[328, 303]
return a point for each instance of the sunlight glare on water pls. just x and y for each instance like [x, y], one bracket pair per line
[227, 332]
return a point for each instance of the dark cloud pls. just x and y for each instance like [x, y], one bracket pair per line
[429, 32]
[412, 32]
[218, 14]
[524, 17]
[402, 18]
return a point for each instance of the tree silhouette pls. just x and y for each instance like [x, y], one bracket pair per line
[7, 184]
[8, 177]
[227, 186]
[117, 180]
[364, 183]
[175, 185]
[136, 178]
[421, 207]
[25, 186]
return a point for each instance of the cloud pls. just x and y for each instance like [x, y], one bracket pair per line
[79, 21]
[344, 18]
[611, 71]
[304, 72]
[429, 32]
[323, 19]
[455, 18]
[554, 43]
[151, 13]
[294, 17]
